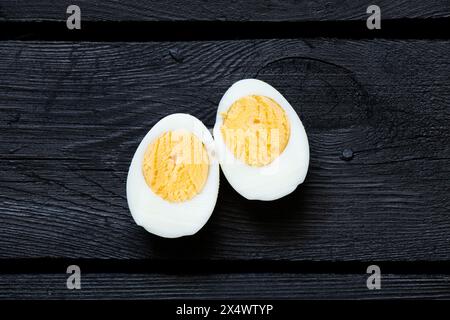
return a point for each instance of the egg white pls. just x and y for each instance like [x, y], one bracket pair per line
[286, 172]
[161, 217]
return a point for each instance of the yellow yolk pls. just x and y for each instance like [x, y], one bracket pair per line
[176, 166]
[256, 130]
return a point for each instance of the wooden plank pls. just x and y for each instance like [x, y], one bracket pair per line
[72, 114]
[220, 10]
[223, 286]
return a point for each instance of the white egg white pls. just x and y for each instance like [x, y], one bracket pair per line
[286, 172]
[161, 217]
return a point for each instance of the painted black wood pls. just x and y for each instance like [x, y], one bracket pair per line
[376, 112]
[72, 114]
[223, 286]
[221, 10]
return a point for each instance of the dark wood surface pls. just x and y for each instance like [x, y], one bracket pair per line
[224, 286]
[221, 10]
[73, 113]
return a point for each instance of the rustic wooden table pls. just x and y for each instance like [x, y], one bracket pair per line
[74, 105]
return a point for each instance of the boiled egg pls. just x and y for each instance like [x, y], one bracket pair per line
[173, 179]
[260, 141]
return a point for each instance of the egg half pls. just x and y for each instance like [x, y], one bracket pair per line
[173, 179]
[261, 143]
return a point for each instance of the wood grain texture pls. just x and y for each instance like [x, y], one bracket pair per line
[220, 10]
[72, 115]
[223, 286]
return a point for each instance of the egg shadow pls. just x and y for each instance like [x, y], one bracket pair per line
[198, 246]
[277, 221]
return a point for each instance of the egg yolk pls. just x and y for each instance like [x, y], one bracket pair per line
[255, 129]
[176, 166]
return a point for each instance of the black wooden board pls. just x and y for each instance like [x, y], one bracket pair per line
[220, 10]
[223, 286]
[72, 115]
[375, 104]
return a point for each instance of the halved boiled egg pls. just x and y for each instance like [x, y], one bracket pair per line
[261, 143]
[173, 179]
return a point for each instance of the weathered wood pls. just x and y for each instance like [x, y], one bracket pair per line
[221, 10]
[223, 286]
[72, 114]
